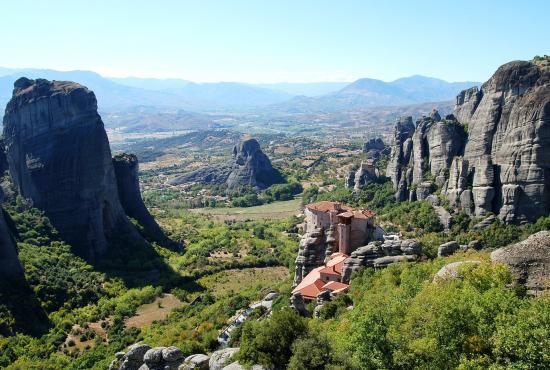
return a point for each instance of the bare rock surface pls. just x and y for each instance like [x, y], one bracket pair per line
[195, 362]
[126, 172]
[379, 255]
[10, 266]
[529, 260]
[452, 270]
[220, 357]
[59, 157]
[502, 166]
[312, 252]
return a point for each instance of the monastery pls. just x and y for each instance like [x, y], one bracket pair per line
[345, 230]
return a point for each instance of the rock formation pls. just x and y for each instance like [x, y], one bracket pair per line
[529, 260]
[10, 267]
[126, 172]
[421, 155]
[143, 357]
[249, 167]
[380, 255]
[366, 173]
[219, 358]
[453, 270]
[374, 148]
[397, 169]
[59, 157]
[312, 252]
[502, 166]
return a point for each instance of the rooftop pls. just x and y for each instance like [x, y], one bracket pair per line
[326, 206]
[311, 285]
[345, 211]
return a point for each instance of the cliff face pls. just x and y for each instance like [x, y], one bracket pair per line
[252, 167]
[503, 164]
[249, 167]
[423, 152]
[126, 172]
[59, 157]
[10, 267]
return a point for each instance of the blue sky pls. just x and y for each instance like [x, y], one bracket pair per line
[274, 41]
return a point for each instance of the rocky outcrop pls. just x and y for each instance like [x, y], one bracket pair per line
[59, 157]
[10, 267]
[529, 261]
[453, 270]
[366, 173]
[502, 166]
[143, 357]
[126, 172]
[298, 304]
[423, 152]
[311, 253]
[381, 255]
[195, 362]
[249, 167]
[252, 167]
[397, 169]
[219, 358]
[446, 249]
[374, 148]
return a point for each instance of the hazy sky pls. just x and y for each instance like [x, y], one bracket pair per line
[274, 41]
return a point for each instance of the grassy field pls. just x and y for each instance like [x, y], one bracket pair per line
[272, 211]
[157, 310]
[235, 280]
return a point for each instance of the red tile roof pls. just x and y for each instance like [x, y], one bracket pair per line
[326, 206]
[335, 286]
[311, 285]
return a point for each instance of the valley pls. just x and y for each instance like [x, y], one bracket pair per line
[363, 228]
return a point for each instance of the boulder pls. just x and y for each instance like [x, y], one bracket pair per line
[475, 245]
[219, 358]
[172, 354]
[388, 260]
[374, 253]
[528, 261]
[452, 270]
[298, 304]
[446, 249]
[424, 189]
[153, 357]
[133, 359]
[195, 362]
[488, 221]
[59, 158]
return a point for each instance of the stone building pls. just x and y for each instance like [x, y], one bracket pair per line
[352, 228]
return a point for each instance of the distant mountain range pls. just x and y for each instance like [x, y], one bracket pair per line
[120, 94]
[367, 93]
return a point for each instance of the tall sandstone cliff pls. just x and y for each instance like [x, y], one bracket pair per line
[126, 172]
[501, 166]
[59, 157]
[10, 267]
[250, 166]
